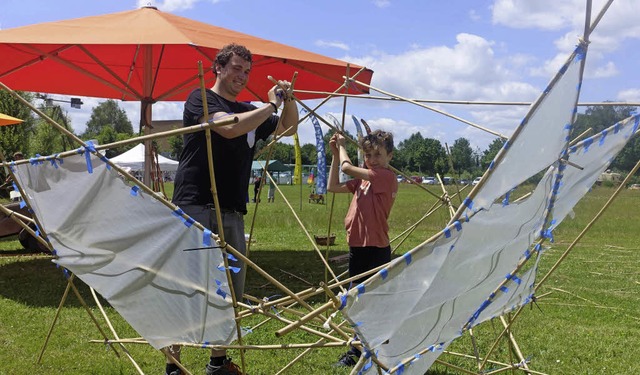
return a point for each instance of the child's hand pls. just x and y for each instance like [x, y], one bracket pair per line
[339, 140]
[333, 144]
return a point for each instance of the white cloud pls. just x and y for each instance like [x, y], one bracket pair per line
[618, 24]
[339, 45]
[543, 14]
[467, 71]
[629, 95]
[171, 5]
[382, 3]
[473, 15]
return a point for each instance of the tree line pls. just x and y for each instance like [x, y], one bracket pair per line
[416, 155]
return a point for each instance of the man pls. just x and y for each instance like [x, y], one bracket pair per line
[233, 150]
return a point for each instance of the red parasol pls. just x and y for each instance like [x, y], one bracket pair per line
[147, 55]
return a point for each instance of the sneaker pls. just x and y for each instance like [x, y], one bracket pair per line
[348, 359]
[227, 368]
[174, 372]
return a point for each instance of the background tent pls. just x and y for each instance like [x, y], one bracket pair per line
[274, 166]
[134, 159]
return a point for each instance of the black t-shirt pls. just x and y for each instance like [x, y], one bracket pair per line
[232, 158]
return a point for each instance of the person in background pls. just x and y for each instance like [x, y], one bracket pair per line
[256, 188]
[374, 190]
[271, 195]
[233, 150]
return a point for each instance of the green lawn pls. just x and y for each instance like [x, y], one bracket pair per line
[585, 323]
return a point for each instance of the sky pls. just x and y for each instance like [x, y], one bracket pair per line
[464, 50]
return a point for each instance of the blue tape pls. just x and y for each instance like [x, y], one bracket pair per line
[407, 258]
[587, 143]
[384, 273]
[87, 150]
[604, 136]
[468, 203]
[343, 302]
[447, 232]
[361, 289]
[231, 257]
[458, 225]
[134, 190]
[206, 237]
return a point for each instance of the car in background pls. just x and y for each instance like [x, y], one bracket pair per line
[476, 181]
[447, 180]
[463, 182]
[429, 180]
[400, 178]
[417, 179]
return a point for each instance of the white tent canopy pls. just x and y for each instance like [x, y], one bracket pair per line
[134, 159]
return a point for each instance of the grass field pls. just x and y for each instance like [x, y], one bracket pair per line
[586, 320]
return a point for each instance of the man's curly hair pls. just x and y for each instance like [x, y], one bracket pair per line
[226, 53]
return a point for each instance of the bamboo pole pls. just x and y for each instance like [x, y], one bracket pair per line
[55, 319]
[459, 102]
[113, 331]
[218, 211]
[432, 109]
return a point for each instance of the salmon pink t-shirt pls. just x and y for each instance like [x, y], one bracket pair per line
[366, 220]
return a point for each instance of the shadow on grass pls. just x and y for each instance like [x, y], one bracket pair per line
[36, 281]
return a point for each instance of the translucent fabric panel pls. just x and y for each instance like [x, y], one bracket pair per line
[594, 155]
[130, 248]
[542, 138]
[442, 285]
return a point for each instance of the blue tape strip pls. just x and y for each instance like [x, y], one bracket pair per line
[231, 257]
[505, 201]
[587, 143]
[361, 289]
[468, 203]
[458, 225]
[134, 190]
[206, 237]
[504, 289]
[343, 302]
[604, 136]
[87, 150]
[447, 232]
[384, 273]
[407, 258]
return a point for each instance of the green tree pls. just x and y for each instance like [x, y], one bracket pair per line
[47, 139]
[309, 154]
[421, 155]
[600, 117]
[462, 156]
[16, 137]
[490, 153]
[107, 114]
[176, 143]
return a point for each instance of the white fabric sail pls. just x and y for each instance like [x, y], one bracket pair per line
[542, 136]
[593, 155]
[458, 280]
[131, 249]
[442, 285]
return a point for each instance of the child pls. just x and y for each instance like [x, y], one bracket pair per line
[374, 190]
